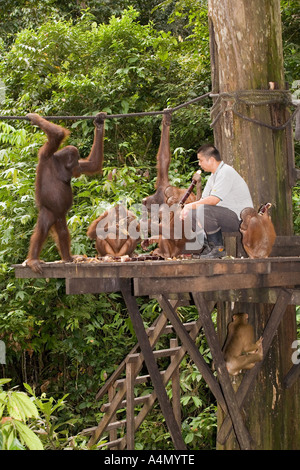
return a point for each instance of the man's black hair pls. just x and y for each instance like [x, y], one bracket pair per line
[209, 150]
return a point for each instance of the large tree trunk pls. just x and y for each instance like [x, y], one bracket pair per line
[246, 55]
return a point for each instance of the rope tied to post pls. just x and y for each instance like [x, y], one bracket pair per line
[234, 101]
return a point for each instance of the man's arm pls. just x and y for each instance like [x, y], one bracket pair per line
[210, 200]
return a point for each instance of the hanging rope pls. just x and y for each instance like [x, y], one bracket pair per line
[112, 116]
[224, 102]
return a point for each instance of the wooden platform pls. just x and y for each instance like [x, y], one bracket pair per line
[174, 276]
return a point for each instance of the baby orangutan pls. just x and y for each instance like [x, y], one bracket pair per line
[112, 232]
[240, 351]
[258, 231]
[170, 246]
[176, 229]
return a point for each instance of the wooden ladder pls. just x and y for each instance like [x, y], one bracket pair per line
[120, 391]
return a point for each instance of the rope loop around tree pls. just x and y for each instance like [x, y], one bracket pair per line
[234, 101]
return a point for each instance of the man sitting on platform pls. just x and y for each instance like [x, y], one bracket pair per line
[225, 195]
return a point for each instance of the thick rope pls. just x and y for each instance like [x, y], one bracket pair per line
[230, 102]
[112, 116]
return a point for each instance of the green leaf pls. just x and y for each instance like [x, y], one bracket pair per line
[125, 106]
[16, 445]
[28, 388]
[4, 381]
[197, 401]
[189, 437]
[21, 407]
[3, 396]
[185, 400]
[27, 435]
[10, 437]
[163, 55]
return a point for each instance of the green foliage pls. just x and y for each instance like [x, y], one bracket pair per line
[21, 14]
[296, 208]
[56, 334]
[199, 431]
[15, 434]
[119, 67]
[48, 426]
[28, 422]
[198, 409]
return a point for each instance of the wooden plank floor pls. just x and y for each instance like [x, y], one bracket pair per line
[162, 268]
[155, 277]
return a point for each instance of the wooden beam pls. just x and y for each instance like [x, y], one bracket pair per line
[130, 378]
[242, 434]
[286, 246]
[163, 269]
[91, 285]
[292, 376]
[263, 295]
[161, 323]
[175, 384]
[157, 286]
[124, 403]
[192, 350]
[248, 379]
[151, 365]
[166, 376]
[154, 333]
[113, 435]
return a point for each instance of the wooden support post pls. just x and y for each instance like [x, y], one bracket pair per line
[151, 364]
[166, 377]
[175, 385]
[292, 376]
[268, 335]
[153, 332]
[154, 336]
[192, 350]
[242, 434]
[130, 378]
[111, 394]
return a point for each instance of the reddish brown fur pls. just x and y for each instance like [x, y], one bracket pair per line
[53, 190]
[118, 218]
[240, 350]
[258, 233]
[168, 247]
[174, 195]
[164, 192]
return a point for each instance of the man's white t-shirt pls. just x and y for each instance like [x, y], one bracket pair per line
[229, 187]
